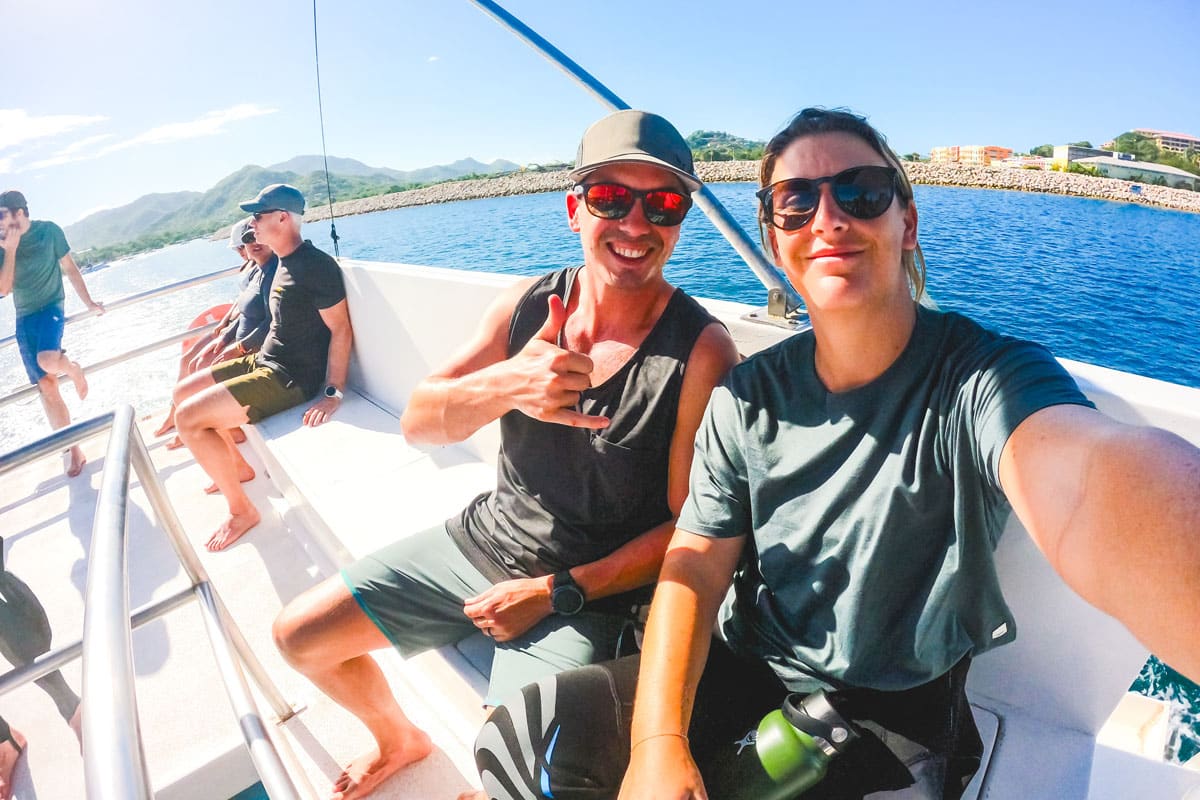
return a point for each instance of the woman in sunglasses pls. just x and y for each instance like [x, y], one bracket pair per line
[847, 492]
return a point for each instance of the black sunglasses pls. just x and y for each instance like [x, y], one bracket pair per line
[663, 207]
[862, 192]
[259, 214]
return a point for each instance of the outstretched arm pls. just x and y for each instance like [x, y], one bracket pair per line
[71, 270]
[1115, 508]
[510, 608]
[481, 383]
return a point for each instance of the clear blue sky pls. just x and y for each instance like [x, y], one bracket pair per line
[101, 103]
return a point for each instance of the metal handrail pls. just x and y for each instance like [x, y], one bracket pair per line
[27, 391]
[134, 299]
[784, 298]
[114, 760]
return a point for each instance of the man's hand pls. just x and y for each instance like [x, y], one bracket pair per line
[508, 609]
[12, 238]
[550, 378]
[96, 305]
[321, 411]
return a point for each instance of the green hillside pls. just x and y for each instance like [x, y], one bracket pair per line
[157, 220]
[128, 222]
[721, 146]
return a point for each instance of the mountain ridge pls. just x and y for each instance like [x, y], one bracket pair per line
[160, 218]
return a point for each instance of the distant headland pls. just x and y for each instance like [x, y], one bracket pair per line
[974, 177]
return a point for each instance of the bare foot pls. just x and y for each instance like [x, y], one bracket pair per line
[232, 529]
[10, 754]
[76, 724]
[473, 796]
[175, 443]
[364, 774]
[75, 373]
[167, 426]
[244, 476]
[75, 459]
[238, 435]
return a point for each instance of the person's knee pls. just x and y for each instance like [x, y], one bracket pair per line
[181, 392]
[298, 634]
[48, 360]
[188, 418]
[48, 385]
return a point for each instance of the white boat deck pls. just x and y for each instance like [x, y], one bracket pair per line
[339, 491]
[193, 746]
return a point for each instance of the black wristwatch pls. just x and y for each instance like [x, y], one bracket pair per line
[333, 391]
[565, 595]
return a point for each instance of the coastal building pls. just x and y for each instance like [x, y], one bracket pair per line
[1143, 172]
[973, 154]
[1171, 142]
[1024, 162]
[1064, 154]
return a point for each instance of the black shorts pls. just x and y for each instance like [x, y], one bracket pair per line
[568, 736]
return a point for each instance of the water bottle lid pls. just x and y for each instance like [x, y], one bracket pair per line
[816, 716]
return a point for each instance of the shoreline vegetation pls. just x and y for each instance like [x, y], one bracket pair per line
[922, 173]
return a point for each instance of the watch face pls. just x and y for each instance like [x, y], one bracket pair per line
[330, 391]
[567, 600]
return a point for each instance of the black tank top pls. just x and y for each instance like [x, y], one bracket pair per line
[567, 496]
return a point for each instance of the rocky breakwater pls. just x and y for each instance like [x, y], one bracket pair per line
[1032, 180]
[450, 191]
[1024, 180]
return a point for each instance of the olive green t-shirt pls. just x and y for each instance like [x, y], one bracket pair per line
[871, 515]
[37, 279]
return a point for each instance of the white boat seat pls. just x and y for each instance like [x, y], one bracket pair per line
[357, 486]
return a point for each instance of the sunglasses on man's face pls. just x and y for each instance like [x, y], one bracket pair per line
[258, 215]
[663, 207]
[862, 192]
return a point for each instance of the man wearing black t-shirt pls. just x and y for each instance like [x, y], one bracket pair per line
[306, 353]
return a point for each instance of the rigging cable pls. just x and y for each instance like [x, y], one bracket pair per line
[324, 155]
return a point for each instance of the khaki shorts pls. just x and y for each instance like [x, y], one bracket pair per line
[262, 390]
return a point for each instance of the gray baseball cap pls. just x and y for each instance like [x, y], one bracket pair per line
[281, 196]
[639, 137]
[237, 234]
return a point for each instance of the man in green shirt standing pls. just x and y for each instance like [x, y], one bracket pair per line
[35, 255]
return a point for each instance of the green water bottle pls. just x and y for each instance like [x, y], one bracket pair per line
[795, 743]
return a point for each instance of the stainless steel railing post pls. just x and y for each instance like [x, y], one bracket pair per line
[114, 764]
[165, 513]
[267, 762]
[114, 757]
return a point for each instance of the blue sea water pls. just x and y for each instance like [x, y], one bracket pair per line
[1114, 284]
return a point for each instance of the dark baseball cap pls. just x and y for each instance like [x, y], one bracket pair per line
[636, 137]
[12, 200]
[277, 196]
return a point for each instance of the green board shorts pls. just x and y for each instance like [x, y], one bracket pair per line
[414, 589]
[262, 390]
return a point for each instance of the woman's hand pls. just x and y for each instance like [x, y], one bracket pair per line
[662, 768]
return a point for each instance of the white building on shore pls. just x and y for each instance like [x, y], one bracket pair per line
[1142, 172]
